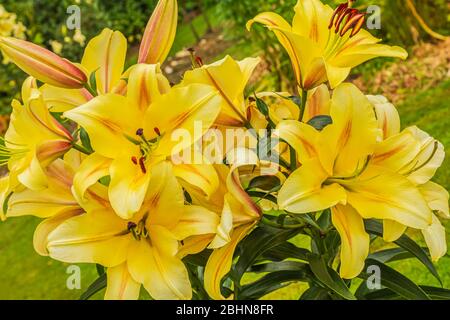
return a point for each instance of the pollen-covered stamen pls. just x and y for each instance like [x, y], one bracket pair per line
[157, 131]
[199, 61]
[140, 132]
[134, 160]
[352, 22]
[337, 13]
[142, 165]
[358, 26]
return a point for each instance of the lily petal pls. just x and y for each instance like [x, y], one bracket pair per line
[354, 240]
[435, 238]
[437, 198]
[304, 192]
[88, 238]
[392, 230]
[196, 220]
[121, 286]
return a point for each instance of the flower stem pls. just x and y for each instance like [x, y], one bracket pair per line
[81, 149]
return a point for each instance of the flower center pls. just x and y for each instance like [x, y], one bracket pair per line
[139, 231]
[146, 147]
[343, 20]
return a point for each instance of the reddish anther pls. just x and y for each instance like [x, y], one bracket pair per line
[142, 165]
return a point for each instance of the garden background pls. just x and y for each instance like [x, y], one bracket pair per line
[419, 87]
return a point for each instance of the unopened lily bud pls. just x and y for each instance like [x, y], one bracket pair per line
[159, 33]
[43, 64]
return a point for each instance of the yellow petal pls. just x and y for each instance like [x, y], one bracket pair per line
[435, 238]
[165, 198]
[159, 33]
[336, 75]
[318, 103]
[90, 171]
[354, 240]
[380, 194]
[302, 137]
[89, 238]
[392, 230]
[311, 20]
[145, 84]
[108, 118]
[437, 198]
[346, 144]
[196, 220]
[428, 159]
[195, 244]
[219, 263]
[304, 191]
[128, 186]
[224, 228]
[105, 55]
[396, 152]
[155, 265]
[387, 116]
[200, 176]
[354, 55]
[46, 227]
[33, 177]
[182, 116]
[61, 100]
[216, 75]
[121, 286]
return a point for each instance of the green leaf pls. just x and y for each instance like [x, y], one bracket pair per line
[329, 277]
[405, 242]
[262, 106]
[85, 140]
[395, 281]
[100, 269]
[271, 282]
[96, 286]
[266, 183]
[285, 251]
[437, 293]
[277, 266]
[198, 259]
[389, 255]
[387, 294]
[315, 293]
[256, 243]
[320, 122]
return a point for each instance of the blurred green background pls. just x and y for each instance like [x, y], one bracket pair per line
[420, 88]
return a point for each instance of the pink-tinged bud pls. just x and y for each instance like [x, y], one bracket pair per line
[43, 64]
[159, 33]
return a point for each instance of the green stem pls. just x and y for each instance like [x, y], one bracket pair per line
[81, 149]
[270, 223]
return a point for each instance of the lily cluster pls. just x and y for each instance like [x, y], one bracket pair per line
[91, 150]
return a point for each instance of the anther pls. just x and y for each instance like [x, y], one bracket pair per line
[352, 22]
[134, 160]
[157, 131]
[131, 225]
[140, 132]
[199, 61]
[142, 165]
[336, 13]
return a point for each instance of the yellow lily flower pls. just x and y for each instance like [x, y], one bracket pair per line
[324, 45]
[43, 64]
[56, 203]
[33, 140]
[415, 155]
[338, 171]
[238, 216]
[218, 74]
[145, 247]
[159, 33]
[131, 134]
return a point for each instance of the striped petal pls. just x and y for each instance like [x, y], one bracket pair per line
[120, 285]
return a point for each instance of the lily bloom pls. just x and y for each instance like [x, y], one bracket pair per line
[339, 170]
[323, 44]
[43, 64]
[218, 74]
[145, 247]
[56, 203]
[417, 156]
[238, 216]
[131, 134]
[159, 33]
[33, 140]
